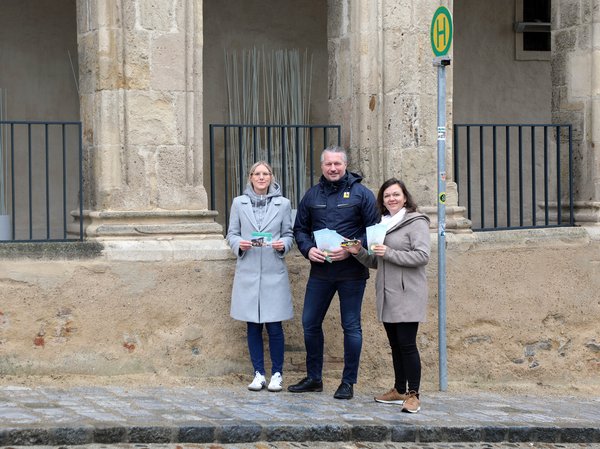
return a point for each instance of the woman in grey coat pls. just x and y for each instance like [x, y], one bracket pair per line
[401, 287]
[260, 235]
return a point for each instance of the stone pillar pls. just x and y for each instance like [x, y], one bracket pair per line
[383, 85]
[576, 95]
[140, 65]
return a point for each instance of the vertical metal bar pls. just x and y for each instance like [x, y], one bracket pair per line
[297, 181]
[481, 177]
[226, 170]
[469, 180]
[254, 145]
[546, 220]
[240, 162]
[339, 136]
[211, 134]
[12, 177]
[455, 159]
[325, 137]
[30, 181]
[64, 186]
[311, 155]
[283, 163]
[571, 205]
[441, 209]
[47, 182]
[3, 171]
[269, 143]
[495, 176]
[81, 192]
[533, 205]
[558, 178]
[520, 175]
[507, 176]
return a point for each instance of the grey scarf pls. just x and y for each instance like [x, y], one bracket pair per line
[260, 203]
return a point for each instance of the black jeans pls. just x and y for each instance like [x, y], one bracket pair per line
[405, 355]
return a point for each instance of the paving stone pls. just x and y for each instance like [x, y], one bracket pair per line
[222, 416]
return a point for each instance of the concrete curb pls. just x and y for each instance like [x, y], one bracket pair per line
[252, 432]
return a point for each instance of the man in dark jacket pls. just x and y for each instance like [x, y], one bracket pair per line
[341, 203]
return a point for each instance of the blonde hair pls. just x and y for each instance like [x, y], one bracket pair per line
[255, 166]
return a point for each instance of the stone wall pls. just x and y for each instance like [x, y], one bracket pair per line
[141, 106]
[522, 309]
[576, 94]
[375, 51]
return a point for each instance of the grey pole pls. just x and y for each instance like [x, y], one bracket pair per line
[441, 63]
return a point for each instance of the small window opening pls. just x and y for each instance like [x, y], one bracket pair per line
[532, 30]
[536, 12]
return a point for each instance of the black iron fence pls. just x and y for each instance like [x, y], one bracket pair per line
[41, 181]
[292, 150]
[513, 176]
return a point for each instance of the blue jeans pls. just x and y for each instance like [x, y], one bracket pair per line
[256, 348]
[317, 299]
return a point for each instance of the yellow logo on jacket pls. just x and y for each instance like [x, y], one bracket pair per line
[346, 195]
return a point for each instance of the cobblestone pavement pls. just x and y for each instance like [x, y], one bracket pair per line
[323, 445]
[227, 416]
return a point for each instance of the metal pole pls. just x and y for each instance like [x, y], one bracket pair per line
[441, 210]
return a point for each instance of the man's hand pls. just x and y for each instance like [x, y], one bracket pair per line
[338, 254]
[353, 249]
[316, 255]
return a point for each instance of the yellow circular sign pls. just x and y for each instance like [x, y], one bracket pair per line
[441, 31]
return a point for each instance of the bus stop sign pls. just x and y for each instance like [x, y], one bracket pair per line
[441, 31]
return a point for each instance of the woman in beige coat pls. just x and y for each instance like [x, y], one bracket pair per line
[401, 286]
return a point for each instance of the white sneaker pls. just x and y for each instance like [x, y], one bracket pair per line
[276, 382]
[258, 383]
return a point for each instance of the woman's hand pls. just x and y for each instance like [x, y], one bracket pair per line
[278, 245]
[379, 250]
[245, 245]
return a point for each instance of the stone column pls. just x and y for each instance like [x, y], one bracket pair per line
[140, 67]
[383, 85]
[576, 95]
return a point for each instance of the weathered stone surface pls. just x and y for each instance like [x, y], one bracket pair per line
[169, 58]
[116, 314]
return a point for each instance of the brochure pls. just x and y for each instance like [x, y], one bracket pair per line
[261, 238]
[327, 240]
[375, 235]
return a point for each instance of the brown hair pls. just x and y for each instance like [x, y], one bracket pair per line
[410, 205]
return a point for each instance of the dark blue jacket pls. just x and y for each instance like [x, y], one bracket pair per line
[345, 206]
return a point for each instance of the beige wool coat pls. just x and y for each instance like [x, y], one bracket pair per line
[401, 282]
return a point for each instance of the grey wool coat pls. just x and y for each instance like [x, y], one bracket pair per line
[261, 288]
[401, 282]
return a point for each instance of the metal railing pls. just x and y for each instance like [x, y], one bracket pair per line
[290, 149]
[514, 176]
[42, 179]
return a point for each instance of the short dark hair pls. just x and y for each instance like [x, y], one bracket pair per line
[335, 149]
[410, 204]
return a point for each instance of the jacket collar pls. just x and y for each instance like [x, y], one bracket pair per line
[272, 211]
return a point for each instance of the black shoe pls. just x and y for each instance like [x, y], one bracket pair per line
[344, 391]
[305, 385]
